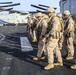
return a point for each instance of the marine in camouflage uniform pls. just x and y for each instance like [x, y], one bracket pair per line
[69, 34]
[61, 37]
[53, 38]
[42, 26]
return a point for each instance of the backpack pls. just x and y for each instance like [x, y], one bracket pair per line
[61, 27]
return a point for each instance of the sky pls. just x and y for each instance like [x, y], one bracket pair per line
[25, 4]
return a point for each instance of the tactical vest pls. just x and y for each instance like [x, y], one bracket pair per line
[58, 33]
[50, 25]
[60, 26]
[66, 25]
[70, 34]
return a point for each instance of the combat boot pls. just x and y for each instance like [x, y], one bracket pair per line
[69, 58]
[36, 58]
[73, 67]
[34, 40]
[58, 64]
[44, 57]
[49, 66]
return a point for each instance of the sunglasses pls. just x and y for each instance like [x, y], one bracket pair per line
[64, 15]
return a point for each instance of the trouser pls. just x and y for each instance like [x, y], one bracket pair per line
[30, 33]
[52, 47]
[69, 45]
[34, 35]
[41, 47]
[61, 39]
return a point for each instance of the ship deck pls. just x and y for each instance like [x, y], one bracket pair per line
[15, 61]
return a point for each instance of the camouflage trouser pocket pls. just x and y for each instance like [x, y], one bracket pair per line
[54, 36]
[57, 35]
[71, 34]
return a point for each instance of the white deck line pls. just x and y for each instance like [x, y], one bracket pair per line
[25, 44]
[2, 37]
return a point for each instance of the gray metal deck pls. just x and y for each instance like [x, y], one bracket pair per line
[13, 61]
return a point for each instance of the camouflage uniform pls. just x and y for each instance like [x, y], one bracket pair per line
[61, 38]
[42, 40]
[52, 44]
[69, 34]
